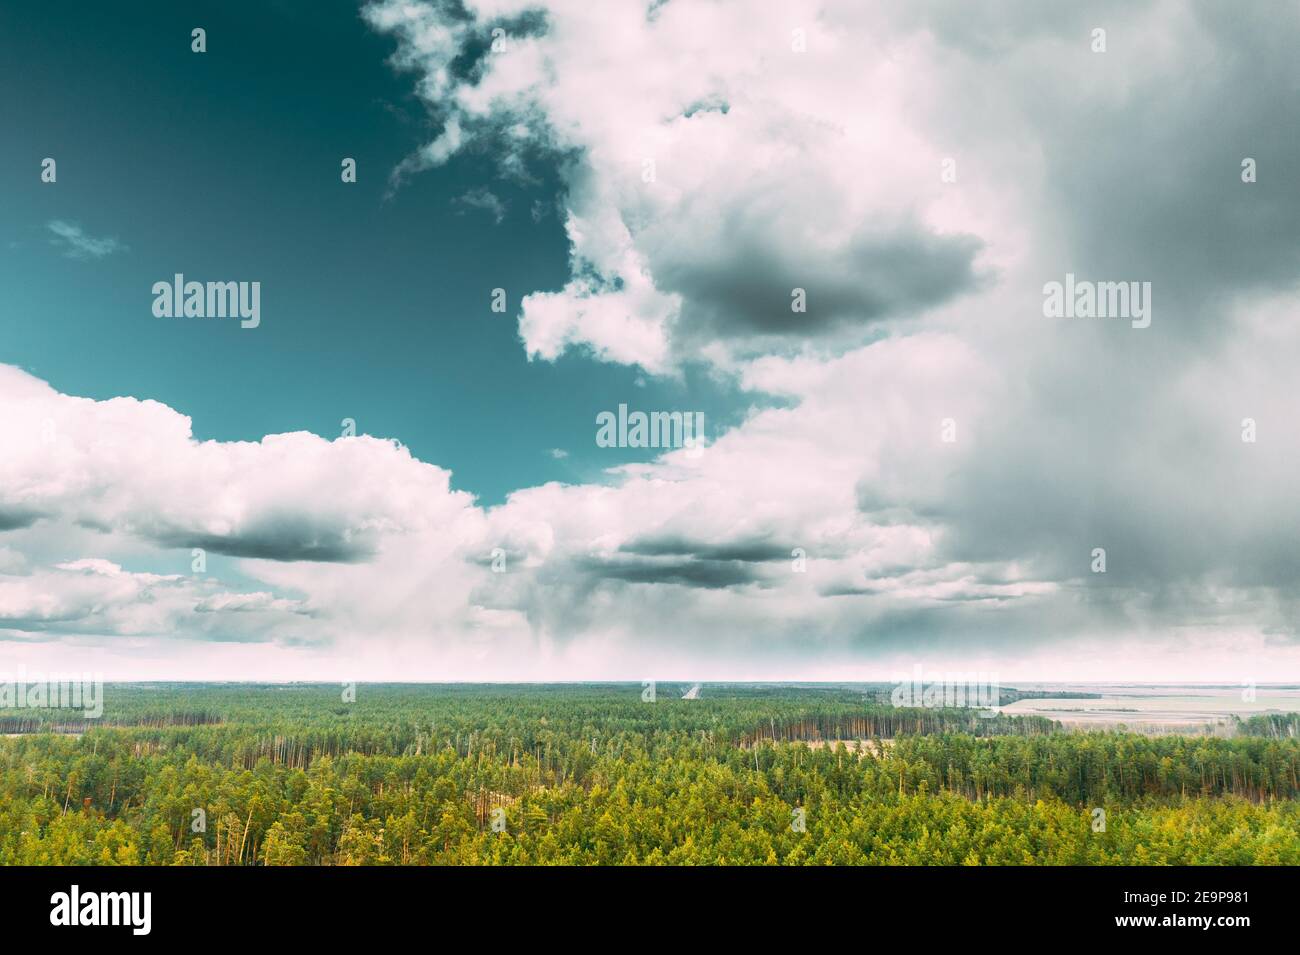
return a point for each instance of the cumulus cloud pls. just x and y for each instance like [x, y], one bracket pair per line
[733, 165]
[133, 467]
[93, 596]
[873, 537]
[942, 462]
[98, 478]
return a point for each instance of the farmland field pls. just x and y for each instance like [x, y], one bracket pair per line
[1154, 708]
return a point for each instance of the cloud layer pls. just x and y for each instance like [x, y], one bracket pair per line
[944, 462]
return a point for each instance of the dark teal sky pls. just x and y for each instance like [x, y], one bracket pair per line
[225, 166]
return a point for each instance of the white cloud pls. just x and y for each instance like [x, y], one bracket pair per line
[76, 244]
[484, 200]
[839, 534]
[688, 562]
[92, 596]
[707, 182]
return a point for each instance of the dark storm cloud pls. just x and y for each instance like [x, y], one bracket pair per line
[1196, 524]
[1095, 444]
[741, 285]
[996, 28]
[1142, 145]
[16, 518]
[707, 574]
[289, 537]
[1162, 171]
[55, 624]
[1153, 536]
[754, 550]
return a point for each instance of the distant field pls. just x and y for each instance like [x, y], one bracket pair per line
[1148, 709]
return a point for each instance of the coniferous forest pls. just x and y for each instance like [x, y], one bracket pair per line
[227, 775]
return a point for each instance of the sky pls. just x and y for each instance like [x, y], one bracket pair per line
[827, 229]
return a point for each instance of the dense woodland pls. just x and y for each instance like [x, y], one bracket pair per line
[283, 775]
